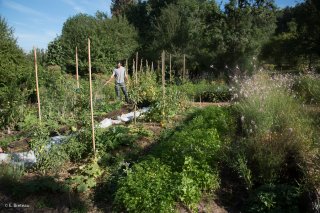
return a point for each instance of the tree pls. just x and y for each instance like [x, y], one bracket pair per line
[112, 39]
[55, 52]
[75, 33]
[15, 73]
[248, 25]
[119, 7]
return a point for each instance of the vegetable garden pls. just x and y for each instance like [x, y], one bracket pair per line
[186, 142]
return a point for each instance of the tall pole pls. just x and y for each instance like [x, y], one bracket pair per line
[77, 69]
[127, 66]
[137, 62]
[163, 79]
[170, 70]
[141, 65]
[37, 83]
[91, 105]
[184, 66]
[147, 65]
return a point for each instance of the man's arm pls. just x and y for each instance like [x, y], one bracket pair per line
[112, 76]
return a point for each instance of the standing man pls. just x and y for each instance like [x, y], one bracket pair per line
[119, 74]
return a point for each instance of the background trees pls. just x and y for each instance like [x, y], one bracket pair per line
[15, 74]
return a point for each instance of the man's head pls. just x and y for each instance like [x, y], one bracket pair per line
[119, 64]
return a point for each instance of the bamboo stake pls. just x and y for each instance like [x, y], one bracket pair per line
[137, 62]
[37, 83]
[127, 66]
[77, 71]
[170, 70]
[184, 66]
[91, 105]
[152, 68]
[141, 65]
[147, 65]
[163, 81]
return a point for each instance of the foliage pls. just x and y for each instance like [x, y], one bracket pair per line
[111, 40]
[308, 88]
[49, 157]
[15, 78]
[182, 166]
[274, 198]
[277, 134]
[165, 108]
[86, 177]
[117, 137]
[55, 52]
[194, 178]
[207, 92]
[11, 172]
[148, 187]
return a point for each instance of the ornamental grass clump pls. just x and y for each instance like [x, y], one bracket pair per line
[277, 133]
[308, 88]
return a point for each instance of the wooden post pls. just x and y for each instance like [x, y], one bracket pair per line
[91, 105]
[137, 62]
[136, 74]
[163, 80]
[152, 68]
[37, 83]
[127, 66]
[77, 71]
[184, 67]
[141, 65]
[133, 69]
[170, 70]
[147, 65]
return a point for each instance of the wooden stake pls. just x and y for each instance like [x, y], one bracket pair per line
[37, 83]
[184, 67]
[137, 62]
[77, 71]
[147, 65]
[163, 81]
[141, 65]
[127, 68]
[133, 69]
[170, 70]
[152, 68]
[91, 105]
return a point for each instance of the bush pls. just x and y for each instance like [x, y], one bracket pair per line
[308, 88]
[181, 167]
[274, 198]
[209, 92]
[148, 187]
[277, 133]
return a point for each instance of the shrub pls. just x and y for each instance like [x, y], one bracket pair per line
[181, 167]
[308, 88]
[148, 187]
[278, 134]
[194, 179]
[274, 198]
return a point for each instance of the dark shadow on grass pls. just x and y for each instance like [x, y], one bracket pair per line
[38, 194]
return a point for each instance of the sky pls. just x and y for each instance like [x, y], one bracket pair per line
[37, 22]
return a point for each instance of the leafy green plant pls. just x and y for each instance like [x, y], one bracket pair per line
[308, 88]
[147, 187]
[50, 157]
[86, 177]
[194, 179]
[274, 198]
[181, 167]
